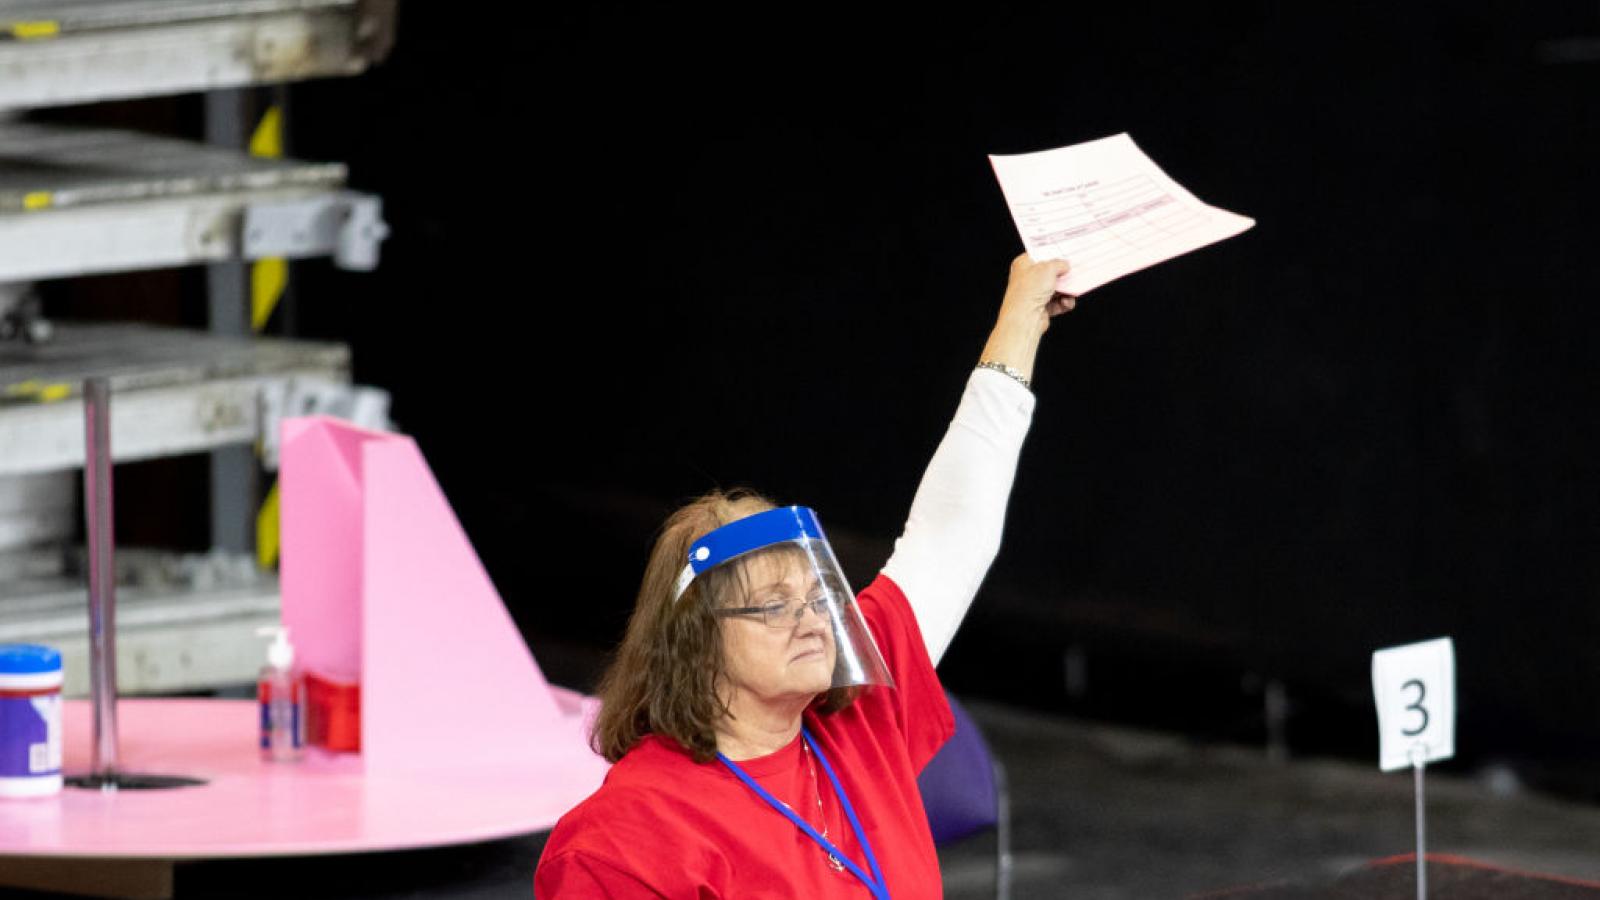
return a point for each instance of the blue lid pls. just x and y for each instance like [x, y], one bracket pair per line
[775, 526]
[28, 659]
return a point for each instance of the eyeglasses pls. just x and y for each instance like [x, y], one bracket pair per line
[785, 614]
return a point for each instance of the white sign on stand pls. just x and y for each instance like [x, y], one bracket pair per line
[1415, 689]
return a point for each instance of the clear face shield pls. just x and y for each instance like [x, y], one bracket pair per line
[776, 569]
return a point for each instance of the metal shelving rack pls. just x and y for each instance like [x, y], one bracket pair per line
[77, 201]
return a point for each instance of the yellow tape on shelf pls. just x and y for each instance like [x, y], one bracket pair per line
[35, 31]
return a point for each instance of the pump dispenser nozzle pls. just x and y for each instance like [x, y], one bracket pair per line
[281, 654]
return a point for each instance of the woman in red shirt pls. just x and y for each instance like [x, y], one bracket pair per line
[767, 728]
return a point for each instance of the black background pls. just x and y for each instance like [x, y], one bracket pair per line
[639, 254]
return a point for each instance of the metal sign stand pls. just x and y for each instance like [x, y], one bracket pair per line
[1418, 764]
[102, 577]
[105, 774]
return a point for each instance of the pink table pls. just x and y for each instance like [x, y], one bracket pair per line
[252, 808]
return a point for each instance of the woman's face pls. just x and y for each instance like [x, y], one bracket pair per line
[773, 662]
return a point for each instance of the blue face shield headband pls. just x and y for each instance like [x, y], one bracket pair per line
[820, 639]
[786, 524]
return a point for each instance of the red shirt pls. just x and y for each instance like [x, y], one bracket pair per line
[664, 826]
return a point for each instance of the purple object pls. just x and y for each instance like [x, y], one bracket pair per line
[964, 792]
[959, 788]
[24, 732]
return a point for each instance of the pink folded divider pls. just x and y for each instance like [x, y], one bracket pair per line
[380, 580]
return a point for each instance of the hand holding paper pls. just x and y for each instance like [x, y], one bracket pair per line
[1107, 209]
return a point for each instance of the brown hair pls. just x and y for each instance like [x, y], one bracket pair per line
[664, 678]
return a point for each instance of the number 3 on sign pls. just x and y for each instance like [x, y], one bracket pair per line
[1415, 688]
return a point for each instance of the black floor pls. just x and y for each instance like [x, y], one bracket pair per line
[1098, 812]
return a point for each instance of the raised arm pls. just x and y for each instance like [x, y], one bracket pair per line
[953, 531]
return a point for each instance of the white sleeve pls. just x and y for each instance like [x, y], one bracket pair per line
[953, 532]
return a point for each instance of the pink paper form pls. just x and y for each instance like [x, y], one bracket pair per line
[1107, 209]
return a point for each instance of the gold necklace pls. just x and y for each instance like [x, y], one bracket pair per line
[816, 789]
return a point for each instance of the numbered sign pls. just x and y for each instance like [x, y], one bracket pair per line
[1415, 688]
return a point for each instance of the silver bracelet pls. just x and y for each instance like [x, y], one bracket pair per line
[1006, 370]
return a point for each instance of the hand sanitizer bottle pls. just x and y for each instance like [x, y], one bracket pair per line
[282, 696]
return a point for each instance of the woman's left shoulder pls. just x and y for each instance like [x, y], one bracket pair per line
[915, 707]
[882, 600]
[894, 627]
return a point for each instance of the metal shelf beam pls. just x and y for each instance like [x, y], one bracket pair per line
[77, 201]
[85, 51]
[176, 391]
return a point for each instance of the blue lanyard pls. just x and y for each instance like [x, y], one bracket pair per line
[875, 884]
